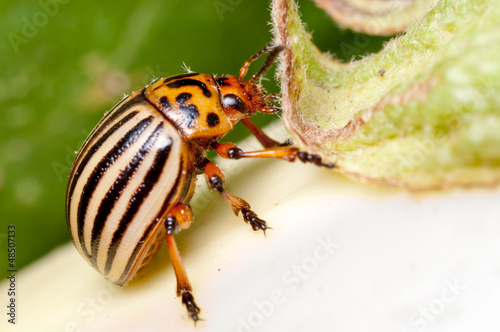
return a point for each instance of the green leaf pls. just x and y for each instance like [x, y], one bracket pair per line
[422, 113]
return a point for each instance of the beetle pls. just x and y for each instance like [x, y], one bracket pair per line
[131, 183]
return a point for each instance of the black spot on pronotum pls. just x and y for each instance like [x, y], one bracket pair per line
[164, 102]
[188, 82]
[235, 102]
[183, 97]
[212, 119]
[222, 81]
[189, 112]
[171, 78]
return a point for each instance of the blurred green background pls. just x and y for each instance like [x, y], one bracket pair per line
[64, 63]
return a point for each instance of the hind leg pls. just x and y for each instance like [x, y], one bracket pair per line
[181, 216]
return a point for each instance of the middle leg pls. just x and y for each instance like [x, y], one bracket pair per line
[215, 179]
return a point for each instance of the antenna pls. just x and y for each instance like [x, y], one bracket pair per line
[273, 53]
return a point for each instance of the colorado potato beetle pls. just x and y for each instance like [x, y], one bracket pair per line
[131, 183]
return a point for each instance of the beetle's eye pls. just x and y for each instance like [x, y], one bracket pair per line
[235, 102]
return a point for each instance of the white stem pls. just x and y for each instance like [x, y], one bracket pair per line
[341, 256]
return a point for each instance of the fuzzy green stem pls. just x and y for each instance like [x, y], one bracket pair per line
[422, 113]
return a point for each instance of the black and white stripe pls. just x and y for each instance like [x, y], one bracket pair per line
[130, 171]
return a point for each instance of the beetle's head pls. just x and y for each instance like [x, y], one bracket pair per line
[242, 99]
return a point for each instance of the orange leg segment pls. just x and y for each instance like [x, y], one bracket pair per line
[215, 179]
[273, 149]
[181, 215]
[288, 153]
[265, 140]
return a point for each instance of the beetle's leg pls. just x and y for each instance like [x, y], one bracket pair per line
[265, 140]
[288, 153]
[273, 96]
[215, 179]
[270, 108]
[181, 216]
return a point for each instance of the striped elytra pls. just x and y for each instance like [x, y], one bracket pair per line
[133, 178]
[132, 169]
[139, 162]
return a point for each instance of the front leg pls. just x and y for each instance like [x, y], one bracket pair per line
[215, 179]
[288, 153]
[265, 140]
